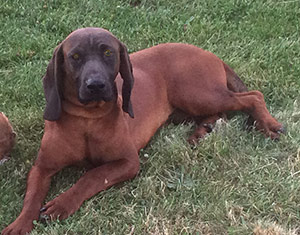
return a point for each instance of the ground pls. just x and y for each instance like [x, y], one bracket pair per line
[233, 182]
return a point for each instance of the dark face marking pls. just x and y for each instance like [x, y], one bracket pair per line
[87, 63]
[94, 64]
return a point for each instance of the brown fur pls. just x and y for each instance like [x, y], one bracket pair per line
[7, 137]
[169, 78]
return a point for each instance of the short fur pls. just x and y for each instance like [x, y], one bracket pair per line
[7, 137]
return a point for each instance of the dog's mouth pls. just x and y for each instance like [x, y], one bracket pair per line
[94, 98]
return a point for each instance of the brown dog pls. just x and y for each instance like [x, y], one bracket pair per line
[7, 138]
[85, 119]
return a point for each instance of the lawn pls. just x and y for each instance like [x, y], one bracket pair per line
[233, 182]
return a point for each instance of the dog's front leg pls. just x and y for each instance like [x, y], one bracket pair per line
[94, 181]
[37, 187]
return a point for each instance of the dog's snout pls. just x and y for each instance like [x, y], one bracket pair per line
[95, 85]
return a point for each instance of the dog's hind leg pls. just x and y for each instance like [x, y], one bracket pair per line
[223, 100]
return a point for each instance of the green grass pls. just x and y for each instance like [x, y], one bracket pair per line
[232, 182]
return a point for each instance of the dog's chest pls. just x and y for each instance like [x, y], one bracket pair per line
[101, 144]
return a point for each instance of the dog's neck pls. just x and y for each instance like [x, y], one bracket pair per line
[92, 110]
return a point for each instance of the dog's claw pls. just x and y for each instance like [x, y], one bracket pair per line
[282, 130]
[209, 127]
[43, 209]
[3, 160]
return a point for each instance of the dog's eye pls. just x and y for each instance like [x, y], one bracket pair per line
[75, 56]
[107, 52]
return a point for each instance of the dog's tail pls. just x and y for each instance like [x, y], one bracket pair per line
[234, 83]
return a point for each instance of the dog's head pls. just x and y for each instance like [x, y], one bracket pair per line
[91, 58]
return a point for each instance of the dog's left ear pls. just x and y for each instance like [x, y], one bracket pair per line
[127, 75]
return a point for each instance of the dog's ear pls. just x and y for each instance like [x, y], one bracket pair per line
[127, 75]
[52, 85]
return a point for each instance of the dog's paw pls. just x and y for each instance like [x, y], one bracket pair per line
[275, 133]
[59, 208]
[18, 227]
[200, 132]
[271, 128]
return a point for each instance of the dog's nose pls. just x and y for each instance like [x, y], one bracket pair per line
[95, 85]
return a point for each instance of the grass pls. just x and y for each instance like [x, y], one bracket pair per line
[232, 182]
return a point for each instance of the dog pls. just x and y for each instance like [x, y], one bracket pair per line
[95, 111]
[7, 138]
